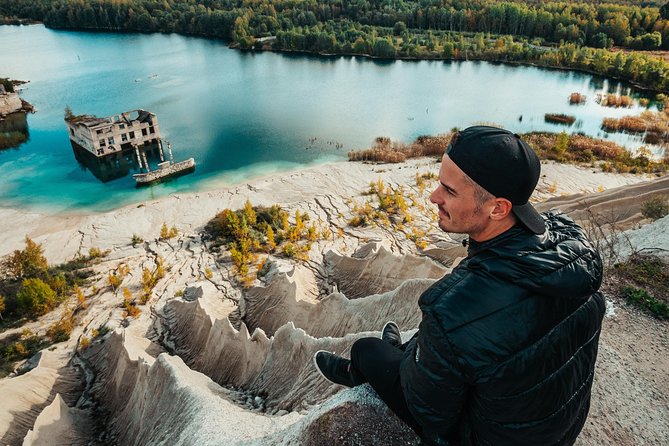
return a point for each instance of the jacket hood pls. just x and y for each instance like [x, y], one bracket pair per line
[561, 262]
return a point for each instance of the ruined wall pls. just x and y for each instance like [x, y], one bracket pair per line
[9, 103]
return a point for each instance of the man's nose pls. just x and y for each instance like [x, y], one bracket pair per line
[433, 198]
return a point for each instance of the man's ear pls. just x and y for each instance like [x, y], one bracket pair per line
[502, 209]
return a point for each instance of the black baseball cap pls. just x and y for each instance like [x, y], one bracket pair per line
[504, 165]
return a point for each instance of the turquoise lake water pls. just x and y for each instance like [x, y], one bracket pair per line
[243, 114]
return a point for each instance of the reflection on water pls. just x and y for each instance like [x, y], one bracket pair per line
[241, 114]
[115, 165]
[13, 130]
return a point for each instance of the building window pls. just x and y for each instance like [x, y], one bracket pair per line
[72, 132]
[131, 135]
[151, 129]
[110, 140]
[124, 137]
[143, 132]
[121, 126]
[99, 132]
[101, 151]
[102, 143]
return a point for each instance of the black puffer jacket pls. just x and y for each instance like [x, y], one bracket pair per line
[506, 350]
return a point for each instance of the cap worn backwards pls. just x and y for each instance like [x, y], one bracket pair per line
[504, 165]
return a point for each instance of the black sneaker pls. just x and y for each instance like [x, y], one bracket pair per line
[391, 334]
[334, 368]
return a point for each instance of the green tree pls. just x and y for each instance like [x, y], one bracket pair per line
[249, 213]
[651, 41]
[664, 11]
[271, 240]
[360, 46]
[383, 48]
[617, 27]
[448, 50]
[600, 40]
[35, 297]
[561, 144]
[399, 28]
[2, 305]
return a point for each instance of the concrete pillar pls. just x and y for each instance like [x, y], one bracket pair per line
[146, 163]
[169, 149]
[139, 158]
[160, 148]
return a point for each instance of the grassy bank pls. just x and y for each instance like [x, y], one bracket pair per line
[561, 147]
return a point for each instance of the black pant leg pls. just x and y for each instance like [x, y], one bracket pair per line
[378, 362]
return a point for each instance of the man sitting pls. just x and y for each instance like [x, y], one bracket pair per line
[506, 348]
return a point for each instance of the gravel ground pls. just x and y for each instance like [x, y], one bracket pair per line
[630, 396]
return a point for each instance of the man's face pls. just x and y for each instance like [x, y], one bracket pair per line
[456, 201]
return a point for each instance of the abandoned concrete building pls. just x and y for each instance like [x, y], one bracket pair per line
[110, 147]
[106, 136]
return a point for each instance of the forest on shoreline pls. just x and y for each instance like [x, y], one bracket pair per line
[609, 39]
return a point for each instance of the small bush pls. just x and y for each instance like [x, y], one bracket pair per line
[655, 207]
[81, 297]
[289, 250]
[114, 281]
[647, 302]
[136, 240]
[61, 330]
[385, 151]
[577, 98]
[164, 232]
[35, 297]
[558, 118]
[131, 310]
[84, 343]
[95, 253]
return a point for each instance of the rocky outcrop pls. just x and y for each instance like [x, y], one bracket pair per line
[279, 369]
[25, 396]
[58, 421]
[10, 103]
[374, 270]
[161, 401]
[621, 205]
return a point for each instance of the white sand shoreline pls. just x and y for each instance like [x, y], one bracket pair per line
[65, 234]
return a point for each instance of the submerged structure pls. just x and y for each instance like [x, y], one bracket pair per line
[110, 146]
[102, 137]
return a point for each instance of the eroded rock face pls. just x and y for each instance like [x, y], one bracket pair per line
[249, 374]
[289, 325]
[620, 205]
[58, 421]
[24, 397]
[375, 270]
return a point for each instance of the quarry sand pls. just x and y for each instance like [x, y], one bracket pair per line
[224, 364]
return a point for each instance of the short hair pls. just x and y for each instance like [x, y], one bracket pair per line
[480, 194]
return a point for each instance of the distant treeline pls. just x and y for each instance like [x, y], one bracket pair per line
[422, 29]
